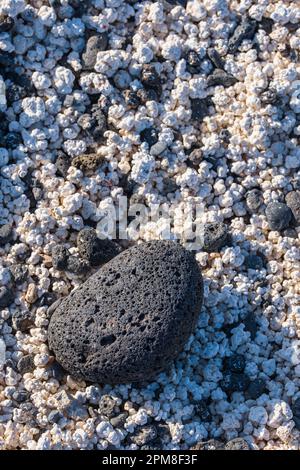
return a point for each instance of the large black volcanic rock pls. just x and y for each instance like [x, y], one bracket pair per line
[130, 319]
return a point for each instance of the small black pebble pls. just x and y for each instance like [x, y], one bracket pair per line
[22, 321]
[250, 324]
[200, 108]
[269, 97]
[193, 62]
[6, 59]
[256, 388]
[6, 23]
[76, 265]
[20, 396]
[245, 30]
[201, 409]
[150, 77]
[54, 416]
[279, 215]
[216, 236]
[119, 420]
[6, 297]
[13, 139]
[254, 261]
[266, 24]
[233, 382]
[235, 363]
[95, 250]
[220, 77]
[149, 135]
[60, 257]
[26, 364]
[215, 58]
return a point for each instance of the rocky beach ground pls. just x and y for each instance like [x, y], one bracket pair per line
[170, 103]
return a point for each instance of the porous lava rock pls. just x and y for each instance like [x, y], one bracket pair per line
[130, 319]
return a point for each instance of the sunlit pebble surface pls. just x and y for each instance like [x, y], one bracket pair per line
[262, 151]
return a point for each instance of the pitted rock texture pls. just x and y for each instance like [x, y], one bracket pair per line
[130, 319]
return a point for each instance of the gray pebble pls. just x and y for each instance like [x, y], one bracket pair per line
[293, 201]
[158, 148]
[256, 388]
[220, 77]
[60, 257]
[279, 215]
[54, 416]
[254, 261]
[19, 273]
[26, 364]
[94, 44]
[119, 421]
[254, 200]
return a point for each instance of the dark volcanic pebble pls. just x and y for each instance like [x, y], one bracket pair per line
[149, 135]
[119, 420]
[19, 273]
[6, 23]
[245, 30]
[95, 250]
[144, 435]
[212, 444]
[26, 364]
[254, 261]
[220, 77]
[150, 78]
[193, 62]
[235, 363]
[60, 257]
[215, 57]
[233, 382]
[76, 265]
[6, 297]
[237, 444]
[292, 199]
[216, 236]
[13, 139]
[6, 233]
[266, 24]
[94, 45]
[130, 319]
[279, 215]
[256, 388]
[201, 409]
[200, 108]
[269, 96]
[107, 406]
